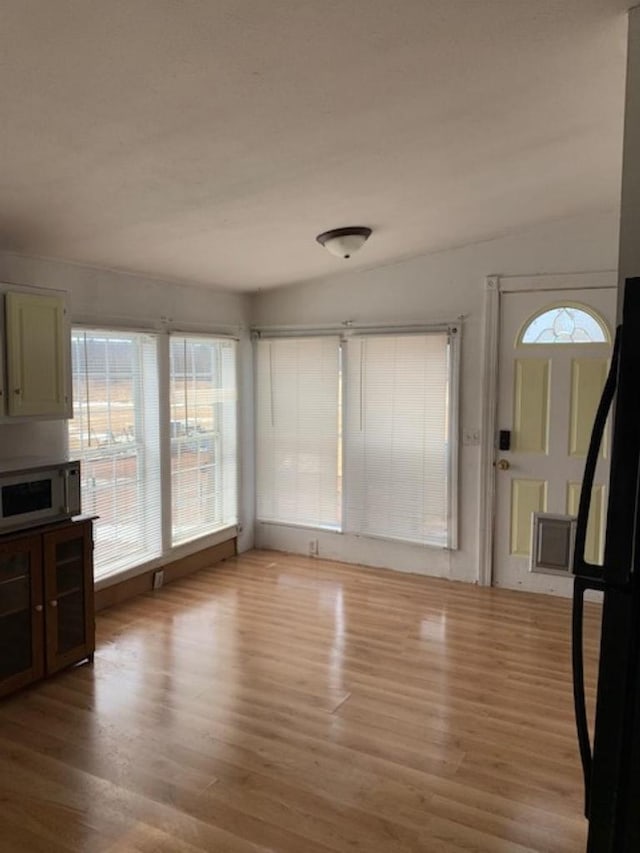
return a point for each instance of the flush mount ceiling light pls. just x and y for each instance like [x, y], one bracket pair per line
[343, 242]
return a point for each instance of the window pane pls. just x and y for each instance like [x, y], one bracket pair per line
[114, 433]
[203, 401]
[564, 324]
[397, 437]
[298, 431]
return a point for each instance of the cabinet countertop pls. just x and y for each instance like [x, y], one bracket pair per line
[38, 530]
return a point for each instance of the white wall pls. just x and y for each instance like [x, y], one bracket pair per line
[106, 297]
[423, 290]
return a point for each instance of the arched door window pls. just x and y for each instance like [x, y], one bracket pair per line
[565, 324]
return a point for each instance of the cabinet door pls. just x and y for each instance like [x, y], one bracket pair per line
[21, 613]
[37, 356]
[69, 605]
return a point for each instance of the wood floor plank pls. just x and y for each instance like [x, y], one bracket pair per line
[279, 703]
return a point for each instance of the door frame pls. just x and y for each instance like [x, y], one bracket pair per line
[495, 286]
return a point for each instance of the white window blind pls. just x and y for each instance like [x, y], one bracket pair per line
[298, 431]
[203, 400]
[397, 437]
[114, 433]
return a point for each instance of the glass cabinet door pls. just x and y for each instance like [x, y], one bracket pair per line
[69, 595]
[21, 613]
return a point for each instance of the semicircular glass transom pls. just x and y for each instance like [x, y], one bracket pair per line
[565, 324]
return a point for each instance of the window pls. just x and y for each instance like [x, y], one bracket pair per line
[565, 324]
[398, 450]
[114, 433]
[203, 403]
[396, 429]
[297, 428]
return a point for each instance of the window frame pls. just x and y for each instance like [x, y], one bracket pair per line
[454, 332]
[329, 528]
[205, 337]
[566, 303]
[146, 431]
[168, 551]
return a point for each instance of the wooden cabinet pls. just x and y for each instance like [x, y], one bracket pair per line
[37, 356]
[46, 602]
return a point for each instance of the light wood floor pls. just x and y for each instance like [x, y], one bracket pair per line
[278, 703]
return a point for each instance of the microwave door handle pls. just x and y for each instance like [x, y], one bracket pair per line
[65, 491]
[581, 568]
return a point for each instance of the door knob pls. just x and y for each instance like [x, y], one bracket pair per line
[53, 603]
[503, 464]
[38, 608]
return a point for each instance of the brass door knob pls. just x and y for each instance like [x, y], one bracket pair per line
[503, 464]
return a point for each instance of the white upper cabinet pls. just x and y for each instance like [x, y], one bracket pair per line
[37, 357]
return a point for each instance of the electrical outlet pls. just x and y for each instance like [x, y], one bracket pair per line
[313, 547]
[158, 579]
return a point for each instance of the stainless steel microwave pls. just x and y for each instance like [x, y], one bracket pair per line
[38, 494]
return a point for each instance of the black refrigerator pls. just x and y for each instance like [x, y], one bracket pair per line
[611, 754]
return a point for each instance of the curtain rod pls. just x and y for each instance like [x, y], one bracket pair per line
[156, 325]
[348, 327]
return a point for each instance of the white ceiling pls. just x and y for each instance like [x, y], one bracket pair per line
[211, 141]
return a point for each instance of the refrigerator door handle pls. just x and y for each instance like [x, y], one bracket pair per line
[581, 568]
[579, 699]
[587, 575]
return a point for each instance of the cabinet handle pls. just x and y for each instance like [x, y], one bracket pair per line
[38, 608]
[17, 391]
[53, 603]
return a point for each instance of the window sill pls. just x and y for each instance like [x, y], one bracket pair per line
[224, 535]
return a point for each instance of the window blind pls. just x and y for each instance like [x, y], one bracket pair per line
[397, 447]
[203, 401]
[298, 431]
[115, 434]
